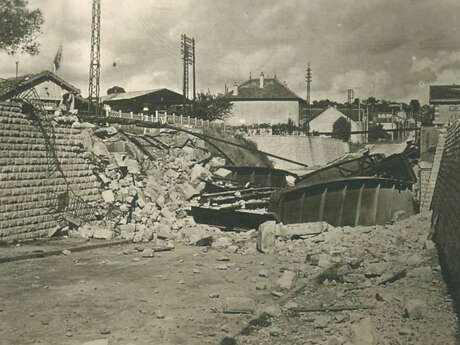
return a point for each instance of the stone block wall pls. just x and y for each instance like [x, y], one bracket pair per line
[446, 209]
[31, 191]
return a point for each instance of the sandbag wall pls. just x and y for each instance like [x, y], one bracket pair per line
[446, 210]
[29, 188]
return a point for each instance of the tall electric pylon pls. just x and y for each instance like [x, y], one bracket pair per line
[188, 57]
[95, 58]
[308, 78]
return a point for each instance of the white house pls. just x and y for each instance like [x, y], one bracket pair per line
[324, 123]
[264, 100]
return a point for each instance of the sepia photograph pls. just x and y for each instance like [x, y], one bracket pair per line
[245, 172]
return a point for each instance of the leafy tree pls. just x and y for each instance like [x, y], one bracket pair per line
[341, 129]
[115, 89]
[414, 106]
[19, 27]
[376, 132]
[212, 107]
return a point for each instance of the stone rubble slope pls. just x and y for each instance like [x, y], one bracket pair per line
[357, 286]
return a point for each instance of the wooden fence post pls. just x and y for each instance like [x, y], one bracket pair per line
[156, 115]
[181, 118]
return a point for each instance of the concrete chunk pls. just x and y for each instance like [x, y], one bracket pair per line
[239, 305]
[266, 237]
[222, 173]
[108, 197]
[286, 281]
[364, 332]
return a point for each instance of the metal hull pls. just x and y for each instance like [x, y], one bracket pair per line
[352, 201]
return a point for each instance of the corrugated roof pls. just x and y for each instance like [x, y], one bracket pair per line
[128, 95]
[273, 89]
[11, 87]
[444, 93]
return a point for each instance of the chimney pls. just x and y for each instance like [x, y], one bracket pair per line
[261, 80]
[235, 89]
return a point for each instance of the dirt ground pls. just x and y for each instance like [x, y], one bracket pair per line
[177, 297]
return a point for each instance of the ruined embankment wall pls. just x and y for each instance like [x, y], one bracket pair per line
[313, 151]
[446, 210]
[33, 191]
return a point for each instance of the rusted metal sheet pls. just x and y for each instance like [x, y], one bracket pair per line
[349, 168]
[395, 166]
[260, 176]
[352, 201]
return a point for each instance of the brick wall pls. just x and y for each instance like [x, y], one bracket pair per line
[30, 192]
[446, 210]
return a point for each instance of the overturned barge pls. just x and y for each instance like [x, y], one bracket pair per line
[352, 201]
[368, 190]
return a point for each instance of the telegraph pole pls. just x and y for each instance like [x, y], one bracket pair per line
[95, 58]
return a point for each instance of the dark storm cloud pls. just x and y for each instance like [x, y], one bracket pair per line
[388, 48]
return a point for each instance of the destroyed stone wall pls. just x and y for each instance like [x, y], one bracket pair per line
[445, 205]
[29, 193]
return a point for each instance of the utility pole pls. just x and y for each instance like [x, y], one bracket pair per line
[17, 69]
[308, 78]
[188, 58]
[95, 58]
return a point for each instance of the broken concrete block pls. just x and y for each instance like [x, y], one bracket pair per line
[364, 332]
[286, 281]
[415, 308]
[120, 159]
[163, 231]
[199, 237]
[290, 180]
[99, 149]
[85, 231]
[222, 173]
[376, 269]
[217, 162]
[199, 172]
[103, 233]
[148, 253]
[266, 237]
[423, 274]
[133, 166]
[108, 197]
[239, 305]
[302, 229]
[188, 191]
[222, 242]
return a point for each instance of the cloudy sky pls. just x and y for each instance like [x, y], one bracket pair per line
[390, 49]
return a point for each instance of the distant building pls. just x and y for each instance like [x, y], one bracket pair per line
[264, 100]
[49, 87]
[324, 122]
[446, 102]
[143, 101]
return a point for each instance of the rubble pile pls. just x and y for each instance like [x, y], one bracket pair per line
[147, 200]
[144, 199]
[363, 285]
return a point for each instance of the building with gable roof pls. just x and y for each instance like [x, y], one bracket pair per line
[264, 101]
[49, 87]
[324, 122]
[143, 101]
